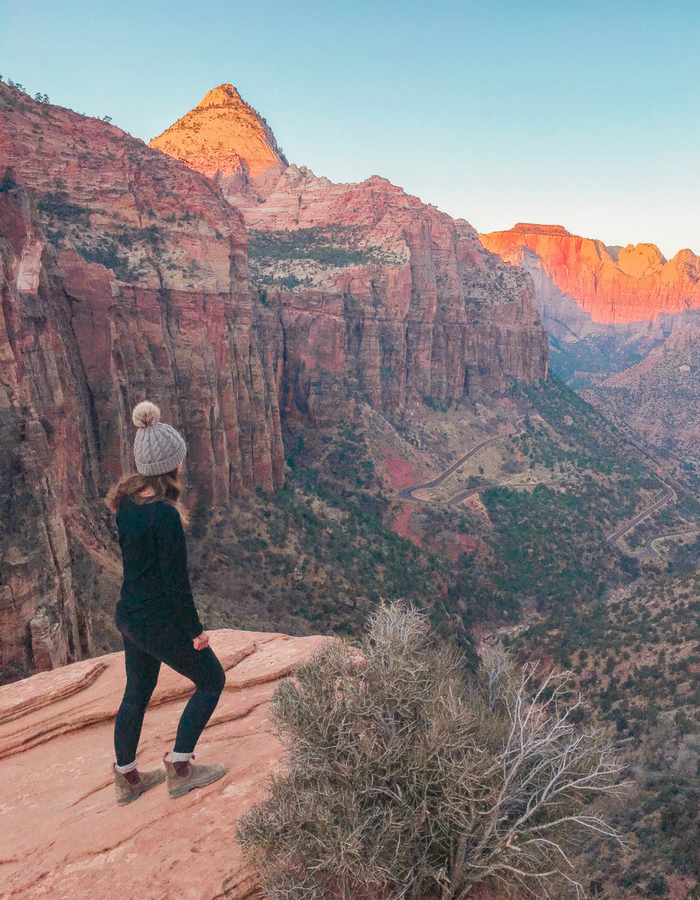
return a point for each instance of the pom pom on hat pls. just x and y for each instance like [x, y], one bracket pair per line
[145, 414]
[158, 448]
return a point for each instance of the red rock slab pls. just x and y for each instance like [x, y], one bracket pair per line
[63, 837]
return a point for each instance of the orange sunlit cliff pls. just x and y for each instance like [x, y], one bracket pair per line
[614, 285]
[225, 139]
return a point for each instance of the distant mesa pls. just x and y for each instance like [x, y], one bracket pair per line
[581, 283]
[530, 228]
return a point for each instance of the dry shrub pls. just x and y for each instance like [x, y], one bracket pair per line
[405, 779]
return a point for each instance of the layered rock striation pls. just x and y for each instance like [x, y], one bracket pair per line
[382, 296]
[581, 284]
[56, 747]
[124, 276]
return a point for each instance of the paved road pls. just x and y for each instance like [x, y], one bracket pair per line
[407, 493]
[622, 531]
[649, 549]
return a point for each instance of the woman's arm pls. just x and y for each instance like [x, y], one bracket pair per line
[172, 555]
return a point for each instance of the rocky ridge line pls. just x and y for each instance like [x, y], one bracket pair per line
[381, 296]
[582, 285]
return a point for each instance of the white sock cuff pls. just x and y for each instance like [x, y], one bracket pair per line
[124, 770]
[180, 757]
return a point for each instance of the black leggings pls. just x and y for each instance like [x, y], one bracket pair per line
[145, 648]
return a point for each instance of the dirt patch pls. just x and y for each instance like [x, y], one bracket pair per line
[401, 524]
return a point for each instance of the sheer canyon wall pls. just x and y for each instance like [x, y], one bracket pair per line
[582, 285]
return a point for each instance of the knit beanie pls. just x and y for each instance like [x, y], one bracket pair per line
[158, 448]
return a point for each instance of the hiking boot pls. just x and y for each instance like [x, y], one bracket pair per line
[130, 786]
[185, 776]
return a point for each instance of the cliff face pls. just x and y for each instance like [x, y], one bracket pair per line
[378, 294]
[364, 290]
[582, 284]
[124, 276]
[226, 140]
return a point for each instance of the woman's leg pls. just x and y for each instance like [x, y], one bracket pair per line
[141, 676]
[167, 642]
[209, 677]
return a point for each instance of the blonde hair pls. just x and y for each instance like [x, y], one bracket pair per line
[166, 487]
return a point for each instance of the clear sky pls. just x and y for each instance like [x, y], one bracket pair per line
[575, 112]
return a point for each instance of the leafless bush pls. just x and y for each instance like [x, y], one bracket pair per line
[405, 780]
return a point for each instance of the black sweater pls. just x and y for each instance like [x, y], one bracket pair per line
[156, 582]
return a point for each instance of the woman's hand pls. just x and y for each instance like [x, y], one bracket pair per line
[201, 641]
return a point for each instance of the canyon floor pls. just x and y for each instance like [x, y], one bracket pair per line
[62, 835]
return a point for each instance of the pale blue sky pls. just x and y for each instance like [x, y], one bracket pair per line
[576, 112]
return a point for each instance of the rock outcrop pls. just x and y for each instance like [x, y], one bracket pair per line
[225, 139]
[124, 276]
[63, 836]
[582, 285]
[364, 290]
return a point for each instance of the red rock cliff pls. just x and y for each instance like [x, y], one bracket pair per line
[124, 275]
[613, 285]
[368, 291]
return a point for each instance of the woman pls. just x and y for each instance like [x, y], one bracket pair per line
[156, 614]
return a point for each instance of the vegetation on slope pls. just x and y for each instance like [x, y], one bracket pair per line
[403, 779]
[637, 666]
[318, 556]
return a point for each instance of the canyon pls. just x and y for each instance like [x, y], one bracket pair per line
[125, 275]
[326, 349]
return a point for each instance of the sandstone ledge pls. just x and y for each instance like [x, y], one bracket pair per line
[61, 833]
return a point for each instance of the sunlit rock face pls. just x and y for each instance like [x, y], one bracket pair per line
[124, 276]
[225, 139]
[582, 284]
[378, 295]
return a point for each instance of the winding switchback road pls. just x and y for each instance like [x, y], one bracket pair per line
[407, 493]
[627, 527]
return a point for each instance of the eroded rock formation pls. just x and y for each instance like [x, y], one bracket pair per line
[56, 748]
[364, 290]
[581, 284]
[125, 275]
